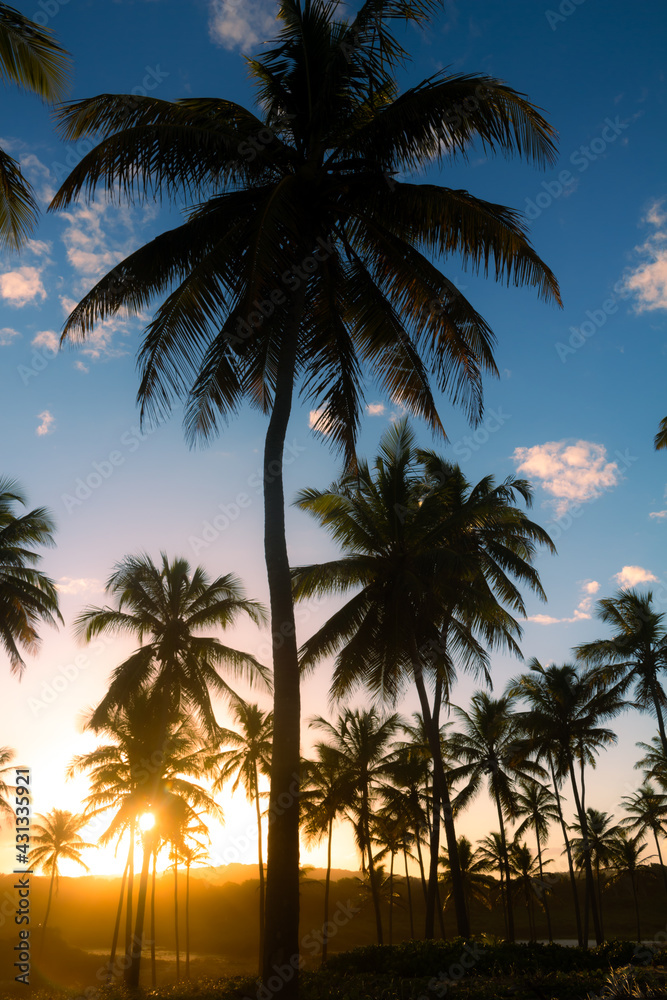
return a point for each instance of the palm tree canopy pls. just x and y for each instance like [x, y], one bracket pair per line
[6, 808]
[248, 752]
[315, 207]
[602, 834]
[646, 810]
[537, 805]
[168, 605]
[27, 596]
[433, 559]
[32, 60]
[55, 837]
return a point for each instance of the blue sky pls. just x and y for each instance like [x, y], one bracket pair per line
[579, 399]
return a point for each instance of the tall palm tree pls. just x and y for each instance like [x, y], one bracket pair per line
[490, 748]
[528, 875]
[490, 850]
[536, 805]
[6, 808]
[601, 833]
[361, 742]
[636, 651]
[647, 810]
[31, 59]
[247, 757]
[27, 595]
[432, 559]
[55, 838]
[327, 790]
[654, 761]
[563, 723]
[474, 869]
[304, 261]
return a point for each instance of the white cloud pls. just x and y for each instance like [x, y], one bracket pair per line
[375, 409]
[22, 286]
[39, 176]
[658, 513]
[7, 335]
[313, 417]
[573, 473]
[46, 426]
[242, 24]
[39, 248]
[82, 585]
[630, 576]
[99, 340]
[582, 611]
[87, 244]
[80, 367]
[47, 339]
[647, 280]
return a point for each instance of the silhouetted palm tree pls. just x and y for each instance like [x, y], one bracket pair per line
[654, 761]
[528, 875]
[56, 838]
[537, 804]
[474, 867]
[491, 748]
[31, 59]
[626, 860]
[636, 653]
[248, 755]
[315, 228]
[327, 790]
[6, 807]
[361, 739]
[601, 834]
[27, 596]
[647, 810]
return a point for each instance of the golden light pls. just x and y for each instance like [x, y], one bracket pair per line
[147, 821]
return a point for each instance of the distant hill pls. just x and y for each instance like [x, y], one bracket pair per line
[239, 874]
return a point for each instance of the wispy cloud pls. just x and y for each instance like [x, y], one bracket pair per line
[572, 472]
[647, 280]
[22, 286]
[8, 335]
[241, 24]
[630, 576]
[100, 341]
[82, 585]
[315, 423]
[588, 589]
[47, 339]
[46, 423]
[375, 409]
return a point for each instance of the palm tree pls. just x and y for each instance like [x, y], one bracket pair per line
[132, 776]
[489, 747]
[536, 804]
[528, 874]
[433, 559]
[54, 838]
[490, 850]
[647, 810]
[654, 761]
[6, 808]
[31, 59]
[601, 836]
[360, 740]
[170, 605]
[305, 261]
[563, 725]
[326, 791]
[626, 860]
[474, 868]
[192, 851]
[248, 756]
[26, 594]
[637, 650]
[660, 440]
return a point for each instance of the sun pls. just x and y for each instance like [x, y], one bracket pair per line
[147, 821]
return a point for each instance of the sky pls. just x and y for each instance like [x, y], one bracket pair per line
[578, 401]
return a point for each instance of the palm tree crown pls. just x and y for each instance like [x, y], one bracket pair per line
[27, 595]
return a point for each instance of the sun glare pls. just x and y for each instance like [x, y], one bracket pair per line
[147, 821]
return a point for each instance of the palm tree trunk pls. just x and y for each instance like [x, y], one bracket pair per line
[506, 861]
[420, 858]
[134, 967]
[433, 899]
[662, 867]
[130, 893]
[391, 900]
[281, 940]
[568, 851]
[260, 862]
[441, 911]
[658, 711]
[187, 921]
[178, 955]
[116, 929]
[327, 884]
[153, 962]
[583, 823]
[371, 866]
[407, 882]
[462, 923]
[48, 903]
[636, 899]
[543, 900]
